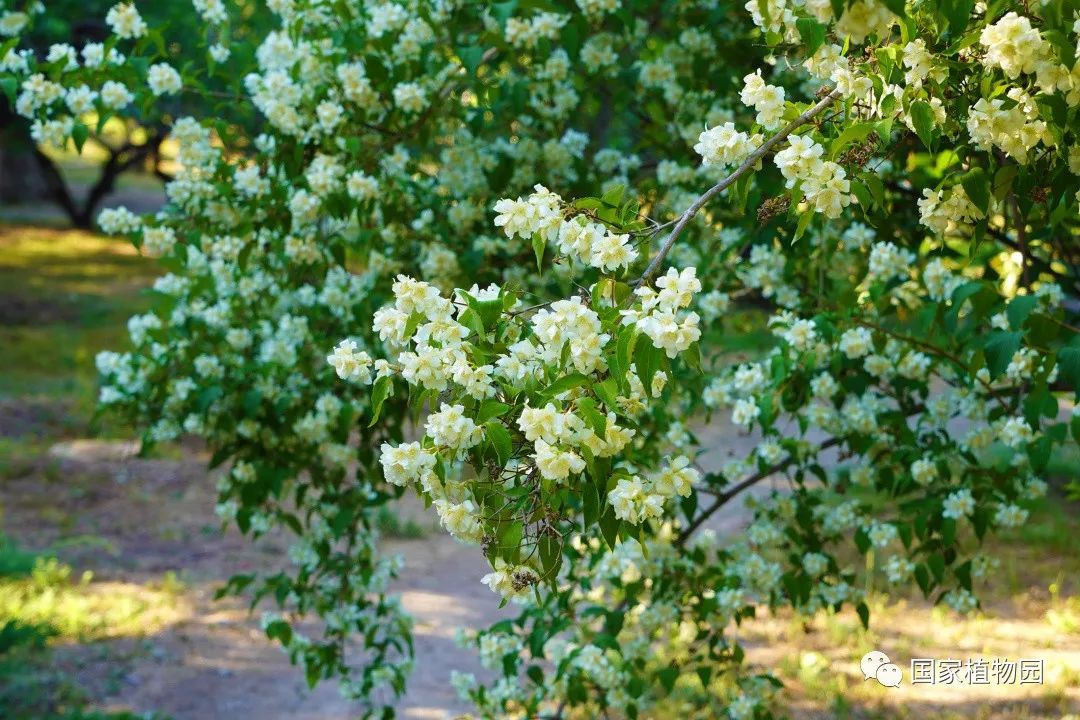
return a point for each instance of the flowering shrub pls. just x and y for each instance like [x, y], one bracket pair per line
[372, 290]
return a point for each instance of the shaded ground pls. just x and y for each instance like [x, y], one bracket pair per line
[135, 521]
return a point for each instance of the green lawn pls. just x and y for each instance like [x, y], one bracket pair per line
[64, 296]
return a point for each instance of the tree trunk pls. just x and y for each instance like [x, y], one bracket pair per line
[20, 178]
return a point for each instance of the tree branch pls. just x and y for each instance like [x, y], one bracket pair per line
[723, 498]
[58, 189]
[724, 184]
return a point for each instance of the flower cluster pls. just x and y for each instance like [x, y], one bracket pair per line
[823, 182]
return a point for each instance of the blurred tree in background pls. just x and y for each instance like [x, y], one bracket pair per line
[134, 143]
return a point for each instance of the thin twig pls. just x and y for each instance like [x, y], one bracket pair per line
[724, 497]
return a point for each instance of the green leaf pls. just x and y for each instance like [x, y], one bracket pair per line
[471, 319]
[936, 563]
[1003, 180]
[471, 57]
[499, 437]
[922, 117]
[864, 615]
[550, 555]
[379, 393]
[79, 134]
[587, 203]
[876, 187]
[667, 677]
[646, 362]
[1039, 453]
[103, 117]
[812, 33]
[999, 350]
[279, 630]
[609, 525]
[504, 11]
[948, 531]
[804, 222]
[510, 542]
[922, 577]
[590, 504]
[977, 187]
[896, 6]
[596, 419]
[958, 14]
[1020, 307]
[856, 133]
[886, 61]
[489, 310]
[624, 350]
[491, 409]
[9, 87]
[614, 196]
[862, 194]
[567, 382]
[692, 357]
[538, 245]
[1068, 360]
[608, 392]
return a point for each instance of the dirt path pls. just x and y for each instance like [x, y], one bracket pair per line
[135, 520]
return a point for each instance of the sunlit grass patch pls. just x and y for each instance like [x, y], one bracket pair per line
[79, 609]
[818, 660]
[64, 296]
[1022, 616]
[42, 607]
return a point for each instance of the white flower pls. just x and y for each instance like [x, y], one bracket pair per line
[856, 343]
[116, 95]
[409, 97]
[349, 364]
[724, 145]
[801, 335]
[449, 428]
[1010, 516]
[899, 569]
[1015, 431]
[462, 520]
[118, 221]
[12, 23]
[958, 504]
[768, 100]
[219, 53]
[556, 464]
[163, 79]
[80, 100]
[923, 471]
[961, 600]
[509, 581]
[612, 252]
[678, 478]
[745, 413]
[125, 21]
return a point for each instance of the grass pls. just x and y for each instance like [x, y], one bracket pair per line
[42, 606]
[81, 610]
[1030, 609]
[64, 296]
